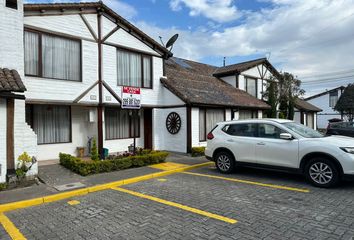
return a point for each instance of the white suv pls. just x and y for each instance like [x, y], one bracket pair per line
[281, 144]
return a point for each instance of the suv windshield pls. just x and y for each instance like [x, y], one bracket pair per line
[302, 130]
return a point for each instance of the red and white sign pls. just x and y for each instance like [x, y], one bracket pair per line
[131, 98]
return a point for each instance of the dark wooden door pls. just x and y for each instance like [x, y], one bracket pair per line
[148, 128]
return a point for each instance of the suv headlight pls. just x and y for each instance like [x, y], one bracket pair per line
[348, 149]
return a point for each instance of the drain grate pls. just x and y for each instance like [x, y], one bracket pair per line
[69, 186]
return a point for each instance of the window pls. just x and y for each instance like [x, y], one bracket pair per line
[11, 4]
[242, 130]
[269, 131]
[251, 86]
[134, 69]
[119, 124]
[51, 56]
[52, 124]
[333, 98]
[247, 114]
[208, 118]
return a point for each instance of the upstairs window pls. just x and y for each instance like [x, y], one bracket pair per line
[333, 98]
[251, 86]
[134, 69]
[51, 56]
[11, 4]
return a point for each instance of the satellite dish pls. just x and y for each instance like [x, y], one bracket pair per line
[171, 41]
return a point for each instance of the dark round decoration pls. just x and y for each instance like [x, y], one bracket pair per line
[173, 123]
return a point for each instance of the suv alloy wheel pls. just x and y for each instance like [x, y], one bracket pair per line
[321, 172]
[224, 162]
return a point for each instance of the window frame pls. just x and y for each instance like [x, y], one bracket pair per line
[31, 107]
[256, 85]
[142, 55]
[138, 135]
[40, 57]
[205, 121]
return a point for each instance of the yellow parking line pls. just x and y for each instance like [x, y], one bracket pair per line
[10, 228]
[177, 205]
[251, 182]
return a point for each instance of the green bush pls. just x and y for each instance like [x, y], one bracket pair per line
[3, 186]
[94, 151]
[88, 167]
[198, 151]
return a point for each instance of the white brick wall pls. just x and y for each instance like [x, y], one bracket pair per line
[25, 138]
[162, 139]
[3, 139]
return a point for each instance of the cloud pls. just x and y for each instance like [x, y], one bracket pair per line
[216, 10]
[304, 37]
[125, 10]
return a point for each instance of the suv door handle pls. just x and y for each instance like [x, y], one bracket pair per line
[261, 143]
[230, 140]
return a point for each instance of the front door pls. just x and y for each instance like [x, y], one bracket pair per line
[148, 128]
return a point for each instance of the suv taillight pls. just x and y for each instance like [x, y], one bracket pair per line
[210, 136]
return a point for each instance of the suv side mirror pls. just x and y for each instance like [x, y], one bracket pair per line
[286, 136]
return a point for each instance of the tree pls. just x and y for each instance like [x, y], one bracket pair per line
[272, 99]
[287, 90]
[345, 103]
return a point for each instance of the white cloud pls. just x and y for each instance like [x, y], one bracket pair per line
[125, 10]
[304, 37]
[217, 10]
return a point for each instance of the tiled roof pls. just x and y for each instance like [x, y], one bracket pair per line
[325, 92]
[194, 84]
[10, 81]
[306, 106]
[240, 67]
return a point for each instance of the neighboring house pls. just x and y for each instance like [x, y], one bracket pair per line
[251, 76]
[15, 135]
[208, 99]
[326, 101]
[306, 113]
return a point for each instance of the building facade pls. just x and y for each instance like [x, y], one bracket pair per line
[74, 60]
[326, 101]
[306, 113]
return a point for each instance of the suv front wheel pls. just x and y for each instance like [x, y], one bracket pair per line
[224, 162]
[321, 172]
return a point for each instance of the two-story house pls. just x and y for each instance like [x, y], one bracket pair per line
[75, 58]
[215, 94]
[326, 101]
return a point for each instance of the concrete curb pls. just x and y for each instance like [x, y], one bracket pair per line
[60, 196]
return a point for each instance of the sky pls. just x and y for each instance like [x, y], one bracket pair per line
[312, 39]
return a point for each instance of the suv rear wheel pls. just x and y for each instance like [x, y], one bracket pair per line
[224, 162]
[321, 172]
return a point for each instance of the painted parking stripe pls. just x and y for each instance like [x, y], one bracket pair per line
[10, 228]
[251, 182]
[177, 205]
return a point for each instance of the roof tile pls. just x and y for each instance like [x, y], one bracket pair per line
[10, 81]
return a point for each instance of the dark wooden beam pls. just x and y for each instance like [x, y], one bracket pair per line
[111, 91]
[10, 118]
[76, 100]
[189, 129]
[100, 79]
[110, 34]
[89, 27]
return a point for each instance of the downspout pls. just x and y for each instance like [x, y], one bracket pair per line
[100, 103]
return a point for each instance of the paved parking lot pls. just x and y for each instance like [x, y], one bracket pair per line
[199, 204]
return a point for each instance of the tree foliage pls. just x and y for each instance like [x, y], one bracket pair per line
[284, 92]
[94, 151]
[345, 103]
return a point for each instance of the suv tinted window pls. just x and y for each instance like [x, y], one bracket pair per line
[269, 131]
[241, 129]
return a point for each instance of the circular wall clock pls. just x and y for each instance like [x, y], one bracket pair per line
[173, 123]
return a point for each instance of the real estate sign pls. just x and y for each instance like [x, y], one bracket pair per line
[131, 98]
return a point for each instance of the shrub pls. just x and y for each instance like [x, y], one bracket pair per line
[198, 151]
[94, 151]
[3, 186]
[114, 163]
